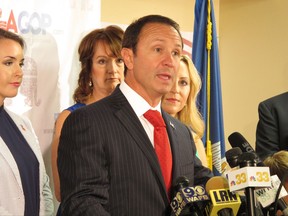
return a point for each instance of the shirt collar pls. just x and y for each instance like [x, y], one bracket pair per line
[138, 103]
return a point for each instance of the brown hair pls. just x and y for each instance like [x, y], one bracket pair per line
[12, 36]
[112, 36]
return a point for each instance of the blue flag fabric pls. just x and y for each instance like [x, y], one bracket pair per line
[200, 58]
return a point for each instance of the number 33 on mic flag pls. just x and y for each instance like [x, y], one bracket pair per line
[249, 177]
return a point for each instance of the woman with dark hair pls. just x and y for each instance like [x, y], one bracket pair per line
[99, 50]
[24, 183]
[102, 69]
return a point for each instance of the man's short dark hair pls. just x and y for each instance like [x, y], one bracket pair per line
[131, 35]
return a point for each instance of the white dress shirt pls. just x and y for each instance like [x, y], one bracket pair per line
[140, 106]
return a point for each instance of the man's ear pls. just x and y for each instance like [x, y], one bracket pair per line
[127, 55]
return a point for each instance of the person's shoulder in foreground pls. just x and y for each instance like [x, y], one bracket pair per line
[271, 132]
[275, 99]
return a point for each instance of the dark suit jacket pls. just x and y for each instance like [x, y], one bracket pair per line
[272, 128]
[108, 166]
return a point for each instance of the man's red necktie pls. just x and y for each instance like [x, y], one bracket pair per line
[161, 145]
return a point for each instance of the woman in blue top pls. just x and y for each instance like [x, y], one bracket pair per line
[102, 69]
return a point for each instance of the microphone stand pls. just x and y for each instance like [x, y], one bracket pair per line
[250, 197]
[249, 159]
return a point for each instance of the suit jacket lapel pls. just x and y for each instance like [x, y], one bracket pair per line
[28, 133]
[7, 154]
[171, 130]
[130, 121]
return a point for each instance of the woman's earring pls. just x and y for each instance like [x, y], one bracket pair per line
[90, 83]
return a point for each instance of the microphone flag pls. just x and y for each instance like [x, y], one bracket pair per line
[249, 177]
[187, 196]
[222, 199]
[266, 196]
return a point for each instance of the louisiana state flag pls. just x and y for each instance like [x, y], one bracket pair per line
[206, 59]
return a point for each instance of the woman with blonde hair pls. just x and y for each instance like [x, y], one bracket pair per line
[278, 164]
[181, 102]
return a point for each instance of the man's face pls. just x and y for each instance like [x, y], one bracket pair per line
[153, 67]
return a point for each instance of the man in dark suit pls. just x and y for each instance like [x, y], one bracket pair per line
[272, 127]
[106, 157]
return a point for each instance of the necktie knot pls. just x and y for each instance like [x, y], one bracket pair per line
[155, 118]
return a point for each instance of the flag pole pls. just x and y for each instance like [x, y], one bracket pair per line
[206, 60]
[208, 47]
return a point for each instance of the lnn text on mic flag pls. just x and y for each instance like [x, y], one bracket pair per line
[206, 59]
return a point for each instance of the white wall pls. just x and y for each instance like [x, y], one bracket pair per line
[252, 44]
[253, 56]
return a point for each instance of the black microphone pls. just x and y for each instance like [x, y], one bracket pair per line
[249, 159]
[237, 140]
[232, 156]
[186, 201]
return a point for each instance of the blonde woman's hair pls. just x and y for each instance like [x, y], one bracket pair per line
[190, 114]
[278, 164]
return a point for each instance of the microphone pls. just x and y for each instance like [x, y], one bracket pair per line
[267, 196]
[187, 199]
[250, 159]
[237, 140]
[232, 156]
[228, 162]
[223, 201]
[232, 159]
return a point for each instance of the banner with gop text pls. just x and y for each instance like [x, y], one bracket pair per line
[52, 31]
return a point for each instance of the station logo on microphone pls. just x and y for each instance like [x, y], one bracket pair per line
[249, 177]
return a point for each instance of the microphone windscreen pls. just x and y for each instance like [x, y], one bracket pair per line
[232, 156]
[181, 182]
[222, 200]
[237, 140]
[215, 183]
[248, 159]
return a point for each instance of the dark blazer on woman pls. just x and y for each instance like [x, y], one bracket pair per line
[272, 128]
[108, 166]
